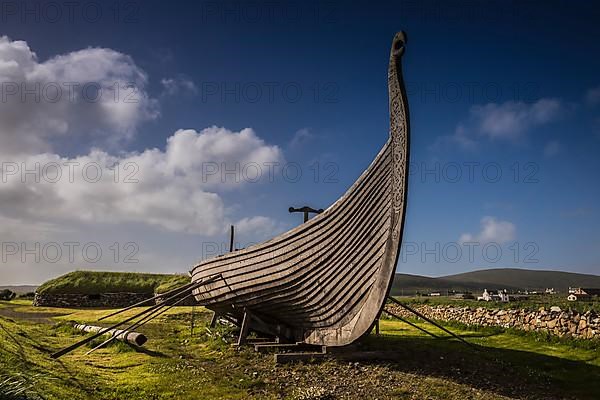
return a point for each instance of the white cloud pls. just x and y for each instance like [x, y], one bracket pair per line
[301, 137]
[179, 85]
[492, 231]
[174, 191]
[97, 94]
[192, 186]
[257, 226]
[460, 138]
[552, 148]
[509, 121]
[13, 229]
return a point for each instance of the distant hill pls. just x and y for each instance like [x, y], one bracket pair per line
[511, 279]
[19, 289]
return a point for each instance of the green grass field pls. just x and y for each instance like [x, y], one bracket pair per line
[176, 365]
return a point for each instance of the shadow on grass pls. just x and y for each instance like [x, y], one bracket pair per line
[149, 352]
[515, 373]
[24, 360]
[11, 311]
[473, 335]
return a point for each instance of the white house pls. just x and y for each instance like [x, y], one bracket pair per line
[583, 294]
[503, 296]
[491, 296]
[485, 296]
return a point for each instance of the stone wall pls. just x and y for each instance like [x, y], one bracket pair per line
[554, 320]
[108, 300]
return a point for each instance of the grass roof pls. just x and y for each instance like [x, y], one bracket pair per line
[96, 282]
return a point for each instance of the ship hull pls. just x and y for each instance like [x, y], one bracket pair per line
[324, 282]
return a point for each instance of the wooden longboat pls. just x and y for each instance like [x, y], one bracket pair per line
[326, 281]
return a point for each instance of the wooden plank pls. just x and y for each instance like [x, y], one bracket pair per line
[213, 320]
[244, 329]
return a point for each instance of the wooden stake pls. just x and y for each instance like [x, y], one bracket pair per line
[213, 320]
[418, 314]
[411, 324]
[244, 328]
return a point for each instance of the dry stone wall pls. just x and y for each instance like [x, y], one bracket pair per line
[105, 300]
[553, 320]
[109, 300]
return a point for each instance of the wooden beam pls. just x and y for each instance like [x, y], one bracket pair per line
[130, 337]
[244, 329]
[213, 320]
[411, 324]
[420, 315]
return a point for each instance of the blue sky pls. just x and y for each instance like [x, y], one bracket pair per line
[494, 87]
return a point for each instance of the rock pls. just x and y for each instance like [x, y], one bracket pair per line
[590, 334]
[555, 309]
[572, 327]
[563, 316]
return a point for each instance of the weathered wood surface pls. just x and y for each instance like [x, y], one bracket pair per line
[135, 338]
[326, 281]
